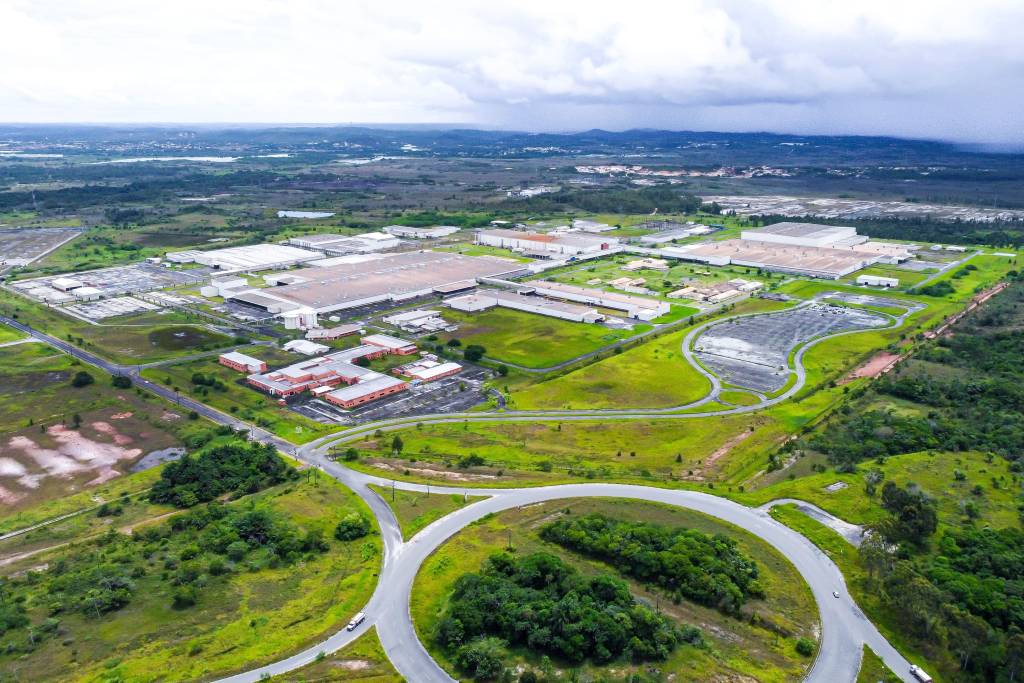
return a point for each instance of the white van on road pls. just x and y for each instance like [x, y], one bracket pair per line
[356, 620]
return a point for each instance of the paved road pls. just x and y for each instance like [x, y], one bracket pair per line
[845, 628]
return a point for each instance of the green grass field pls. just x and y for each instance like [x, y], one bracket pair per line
[415, 510]
[257, 617]
[9, 334]
[363, 661]
[533, 341]
[874, 670]
[653, 374]
[738, 648]
[133, 340]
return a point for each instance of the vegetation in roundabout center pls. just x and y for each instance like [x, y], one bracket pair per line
[689, 564]
[538, 608]
[540, 602]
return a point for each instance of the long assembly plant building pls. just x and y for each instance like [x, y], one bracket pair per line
[375, 279]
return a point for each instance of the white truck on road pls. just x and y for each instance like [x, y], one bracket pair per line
[918, 673]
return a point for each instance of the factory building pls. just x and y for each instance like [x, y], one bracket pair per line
[487, 299]
[365, 391]
[248, 258]
[591, 226]
[333, 332]
[320, 375]
[339, 245]
[395, 345]
[385, 278]
[823, 262]
[632, 306]
[419, 321]
[547, 245]
[805, 235]
[306, 348]
[877, 281]
[421, 233]
[242, 363]
[428, 370]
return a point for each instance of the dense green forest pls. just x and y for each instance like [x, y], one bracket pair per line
[976, 403]
[690, 565]
[542, 603]
[235, 467]
[955, 588]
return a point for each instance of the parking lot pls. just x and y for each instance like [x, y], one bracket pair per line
[449, 395]
[119, 280]
[753, 352]
[22, 246]
[110, 308]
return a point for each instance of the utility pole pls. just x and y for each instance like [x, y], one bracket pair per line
[392, 490]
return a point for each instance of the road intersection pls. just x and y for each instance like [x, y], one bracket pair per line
[845, 629]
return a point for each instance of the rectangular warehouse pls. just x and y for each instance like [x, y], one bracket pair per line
[390, 278]
[242, 363]
[877, 281]
[339, 245]
[633, 306]
[365, 391]
[248, 258]
[566, 244]
[805, 235]
[784, 258]
[486, 299]
[421, 233]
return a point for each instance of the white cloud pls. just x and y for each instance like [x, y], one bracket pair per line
[936, 67]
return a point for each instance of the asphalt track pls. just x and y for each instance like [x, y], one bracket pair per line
[844, 627]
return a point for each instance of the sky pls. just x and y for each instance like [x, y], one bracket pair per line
[941, 69]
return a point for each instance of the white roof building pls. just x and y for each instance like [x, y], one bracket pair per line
[421, 233]
[254, 257]
[307, 348]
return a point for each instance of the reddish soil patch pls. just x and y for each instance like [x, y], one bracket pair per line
[874, 367]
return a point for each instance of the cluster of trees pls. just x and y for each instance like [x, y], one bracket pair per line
[236, 467]
[542, 603]
[940, 288]
[980, 408]
[965, 600]
[691, 565]
[203, 382]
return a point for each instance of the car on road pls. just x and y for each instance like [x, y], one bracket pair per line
[356, 620]
[918, 673]
[835, 594]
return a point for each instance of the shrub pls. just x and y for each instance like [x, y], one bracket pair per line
[351, 527]
[82, 379]
[805, 647]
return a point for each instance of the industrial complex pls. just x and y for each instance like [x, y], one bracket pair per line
[545, 245]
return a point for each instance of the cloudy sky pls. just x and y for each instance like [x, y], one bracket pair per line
[928, 68]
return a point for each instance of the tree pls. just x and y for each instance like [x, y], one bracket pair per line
[351, 527]
[875, 555]
[967, 635]
[805, 647]
[482, 658]
[82, 379]
[397, 445]
[121, 382]
[1014, 655]
[474, 352]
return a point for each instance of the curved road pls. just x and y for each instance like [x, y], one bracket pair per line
[844, 627]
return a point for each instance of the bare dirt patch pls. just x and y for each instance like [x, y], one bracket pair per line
[874, 366]
[428, 471]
